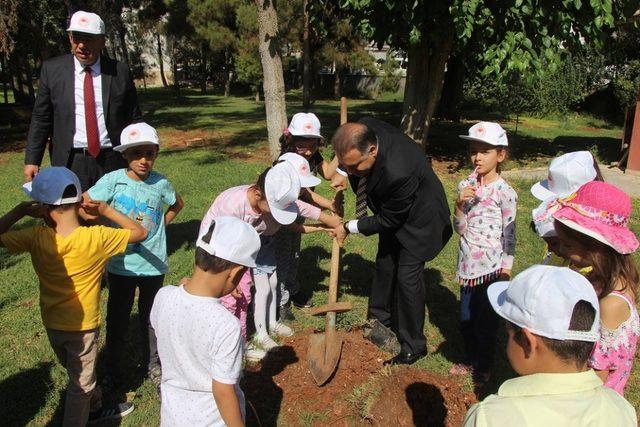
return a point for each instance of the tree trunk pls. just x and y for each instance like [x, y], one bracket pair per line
[228, 73]
[337, 84]
[257, 94]
[203, 71]
[7, 76]
[29, 78]
[19, 95]
[142, 71]
[452, 89]
[306, 61]
[423, 86]
[174, 61]
[160, 60]
[122, 33]
[227, 83]
[12, 82]
[273, 79]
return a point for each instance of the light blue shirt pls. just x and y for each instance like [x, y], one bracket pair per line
[142, 201]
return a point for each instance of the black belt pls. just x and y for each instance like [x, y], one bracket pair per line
[85, 151]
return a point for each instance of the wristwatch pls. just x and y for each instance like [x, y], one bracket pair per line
[346, 228]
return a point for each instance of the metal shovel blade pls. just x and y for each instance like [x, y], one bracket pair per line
[324, 355]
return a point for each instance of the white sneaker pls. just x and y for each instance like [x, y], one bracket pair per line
[280, 329]
[267, 343]
[253, 353]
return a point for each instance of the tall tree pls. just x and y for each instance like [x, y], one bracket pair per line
[180, 32]
[306, 59]
[8, 28]
[247, 60]
[514, 34]
[214, 22]
[151, 15]
[273, 79]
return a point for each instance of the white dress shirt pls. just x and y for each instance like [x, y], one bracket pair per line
[80, 136]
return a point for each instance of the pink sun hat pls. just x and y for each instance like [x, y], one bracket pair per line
[601, 211]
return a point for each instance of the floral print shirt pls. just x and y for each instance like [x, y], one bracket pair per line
[487, 232]
[615, 350]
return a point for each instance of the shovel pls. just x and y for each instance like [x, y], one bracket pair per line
[325, 349]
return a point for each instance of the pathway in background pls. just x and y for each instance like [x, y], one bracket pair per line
[629, 183]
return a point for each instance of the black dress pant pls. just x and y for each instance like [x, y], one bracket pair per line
[122, 290]
[90, 169]
[397, 296]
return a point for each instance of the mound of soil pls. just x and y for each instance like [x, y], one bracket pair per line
[282, 386]
[411, 396]
[282, 383]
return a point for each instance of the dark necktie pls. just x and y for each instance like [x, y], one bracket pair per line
[90, 118]
[361, 198]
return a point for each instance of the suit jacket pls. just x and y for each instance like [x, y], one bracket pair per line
[405, 195]
[53, 114]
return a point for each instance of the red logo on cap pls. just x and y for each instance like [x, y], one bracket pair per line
[304, 169]
[308, 126]
[134, 134]
[83, 21]
[480, 130]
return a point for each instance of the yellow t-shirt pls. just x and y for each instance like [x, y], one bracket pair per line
[70, 270]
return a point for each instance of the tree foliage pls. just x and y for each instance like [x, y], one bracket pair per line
[504, 36]
[248, 66]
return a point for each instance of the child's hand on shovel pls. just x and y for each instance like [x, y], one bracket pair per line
[338, 204]
[339, 233]
[339, 182]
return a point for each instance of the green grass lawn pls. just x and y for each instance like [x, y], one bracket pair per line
[32, 383]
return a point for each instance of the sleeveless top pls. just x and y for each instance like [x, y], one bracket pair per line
[615, 350]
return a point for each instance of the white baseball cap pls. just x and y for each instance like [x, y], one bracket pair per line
[49, 184]
[86, 22]
[542, 299]
[234, 240]
[305, 125]
[567, 173]
[282, 188]
[137, 134]
[301, 166]
[489, 133]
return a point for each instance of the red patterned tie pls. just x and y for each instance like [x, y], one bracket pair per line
[90, 118]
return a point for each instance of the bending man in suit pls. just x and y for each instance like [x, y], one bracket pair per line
[390, 174]
[84, 101]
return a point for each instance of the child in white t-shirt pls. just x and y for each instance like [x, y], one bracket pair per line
[199, 341]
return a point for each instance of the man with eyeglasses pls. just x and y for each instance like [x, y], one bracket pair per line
[391, 176]
[84, 101]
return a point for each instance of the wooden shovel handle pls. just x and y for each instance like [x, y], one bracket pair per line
[335, 271]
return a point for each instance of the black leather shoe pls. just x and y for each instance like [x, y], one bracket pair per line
[406, 358]
[381, 336]
[300, 301]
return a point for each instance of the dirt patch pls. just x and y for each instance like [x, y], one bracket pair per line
[222, 142]
[282, 383]
[590, 129]
[411, 396]
[281, 391]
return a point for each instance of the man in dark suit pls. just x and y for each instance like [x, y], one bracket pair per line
[390, 174]
[84, 101]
